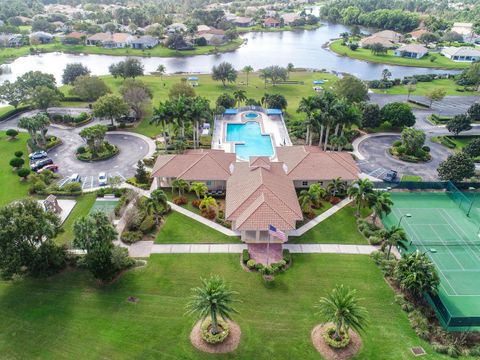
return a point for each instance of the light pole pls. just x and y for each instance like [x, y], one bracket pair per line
[401, 218]
[471, 202]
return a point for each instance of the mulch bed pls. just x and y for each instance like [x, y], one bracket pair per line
[330, 353]
[230, 344]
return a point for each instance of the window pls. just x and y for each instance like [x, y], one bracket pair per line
[304, 183]
[320, 182]
[208, 183]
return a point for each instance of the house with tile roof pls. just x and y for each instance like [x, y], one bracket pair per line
[463, 53]
[387, 38]
[413, 51]
[415, 35]
[271, 23]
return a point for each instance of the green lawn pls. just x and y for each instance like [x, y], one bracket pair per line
[422, 88]
[364, 54]
[12, 187]
[413, 178]
[68, 316]
[82, 208]
[180, 229]
[5, 109]
[212, 89]
[325, 206]
[340, 228]
[459, 141]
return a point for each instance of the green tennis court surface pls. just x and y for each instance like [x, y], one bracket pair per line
[440, 227]
[105, 205]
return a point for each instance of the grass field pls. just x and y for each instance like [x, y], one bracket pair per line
[68, 316]
[340, 228]
[10, 54]
[411, 178]
[459, 141]
[12, 187]
[441, 62]
[212, 89]
[180, 229]
[423, 88]
[82, 208]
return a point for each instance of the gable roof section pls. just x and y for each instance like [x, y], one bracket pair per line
[195, 165]
[260, 194]
[311, 163]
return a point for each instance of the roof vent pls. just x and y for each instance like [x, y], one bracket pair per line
[231, 168]
[285, 168]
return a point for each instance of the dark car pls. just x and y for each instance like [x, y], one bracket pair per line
[390, 176]
[51, 167]
[37, 155]
[41, 164]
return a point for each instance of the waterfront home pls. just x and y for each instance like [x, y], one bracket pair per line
[175, 28]
[117, 41]
[73, 38]
[41, 37]
[98, 39]
[463, 53]
[241, 21]
[143, 42]
[370, 40]
[11, 40]
[413, 51]
[271, 23]
[213, 36]
[415, 35]
[289, 18]
[466, 30]
[393, 36]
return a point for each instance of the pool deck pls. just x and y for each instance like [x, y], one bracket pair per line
[270, 125]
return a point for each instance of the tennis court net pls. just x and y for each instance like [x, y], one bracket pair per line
[459, 198]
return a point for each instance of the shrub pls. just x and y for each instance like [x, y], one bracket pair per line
[245, 256]
[337, 344]
[147, 225]
[287, 257]
[180, 200]
[23, 172]
[397, 143]
[426, 148]
[18, 154]
[259, 267]
[353, 46]
[374, 240]
[37, 187]
[334, 200]
[210, 338]
[72, 187]
[48, 260]
[120, 204]
[378, 256]
[209, 214]
[17, 162]
[131, 237]
[11, 133]
[81, 150]
[120, 259]
[251, 264]
[196, 203]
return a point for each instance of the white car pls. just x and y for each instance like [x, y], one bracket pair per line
[102, 179]
[75, 178]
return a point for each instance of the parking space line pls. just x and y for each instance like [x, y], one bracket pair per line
[123, 177]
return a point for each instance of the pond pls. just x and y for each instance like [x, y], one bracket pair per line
[302, 48]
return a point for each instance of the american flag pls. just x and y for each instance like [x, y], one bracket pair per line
[272, 230]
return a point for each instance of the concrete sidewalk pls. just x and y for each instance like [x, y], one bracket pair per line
[238, 248]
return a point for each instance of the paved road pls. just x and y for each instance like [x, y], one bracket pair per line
[132, 149]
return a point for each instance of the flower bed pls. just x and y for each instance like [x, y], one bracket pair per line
[71, 120]
[218, 338]
[108, 151]
[398, 151]
[331, 341]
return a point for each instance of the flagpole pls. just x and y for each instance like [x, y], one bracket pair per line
[268, 248]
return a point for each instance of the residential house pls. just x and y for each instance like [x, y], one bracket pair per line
[466, 30]
[413, 51]
[307, 165]
[41, 37]
[243, 21]
[74, 38]
[143, 42]
[11, 40]
[213, 36]
[98, 39]
[24, 20]
[209, 166]
[415, 35]
[289, 18]
[176, 27]
[203, 28]
[117, 40]
[463, 53]
[271, 23]
[393, 36]
[260, 194]
[387, 38]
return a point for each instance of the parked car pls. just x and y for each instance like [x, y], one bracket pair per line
[51, 167]
[41, 164]
[102, 179]
[75, 178]
[390, 176]
[37, 155]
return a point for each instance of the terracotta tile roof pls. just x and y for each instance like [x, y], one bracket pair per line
[413, 48]
[376, 40]
[311, 163]
[195, 165]
[271, 21]
[100, 37]
[120, 37]
[417, 33]
[75, 35]
[260, 194]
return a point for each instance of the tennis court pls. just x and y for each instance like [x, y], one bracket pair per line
[106, 206]
[440, 227]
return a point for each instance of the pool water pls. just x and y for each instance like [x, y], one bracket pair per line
[251, 115]
[254, 143]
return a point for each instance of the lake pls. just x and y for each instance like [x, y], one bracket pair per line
[302, 48]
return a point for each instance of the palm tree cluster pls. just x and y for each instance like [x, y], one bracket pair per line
[324, 113]
[364, 195]
[37, 127]
[157, 205]
[311, 198]
[180, 114]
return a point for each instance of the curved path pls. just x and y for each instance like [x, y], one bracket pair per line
[133, 147]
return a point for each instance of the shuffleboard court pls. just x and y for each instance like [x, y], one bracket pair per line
[106, 206]
[446, 226]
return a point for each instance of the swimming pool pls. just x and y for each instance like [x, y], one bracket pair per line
[251, 115]
[254, 143]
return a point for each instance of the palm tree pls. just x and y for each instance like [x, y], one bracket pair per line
[306, 200]
[198, 109]
[208, 203]
[161, 116]
[212, 299]
[265, 74]
[41, 122]
[342, 308]
[247, 70]
[317, 192]
[157, 204]
[181, 186]
[161, 69]
[199, 188]
[360, 191]
[395, 236]
[30, 125]
[381, 203]
[336, 186]
[290, 68]
[308, 106]
[239, 96]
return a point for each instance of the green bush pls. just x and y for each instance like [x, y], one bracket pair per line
[450, 350]
[245, 256]
[251, 264]
[72, 187]
[378, 256]
[37, 187]
[18, 154]
[16, 162]
[120, 259]
[210, 338]
[147, 225]
[11, 133]
[397, 143]
[336, 344]
[475, 351]
[400, 150]
[131, 237]
[287, 257]
[259, 266]
[120, 204]
[374, 240]
[81, 150]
